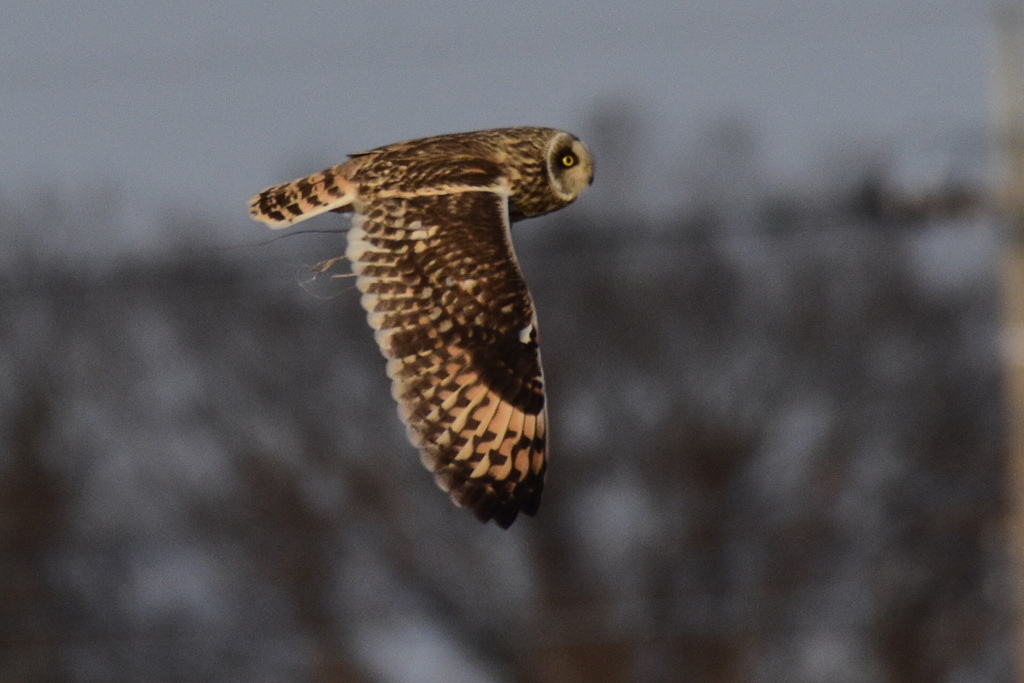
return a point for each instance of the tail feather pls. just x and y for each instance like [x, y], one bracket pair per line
[288, 203]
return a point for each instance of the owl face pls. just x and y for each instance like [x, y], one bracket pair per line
[569, 165]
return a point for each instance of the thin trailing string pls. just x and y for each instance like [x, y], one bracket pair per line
[307, 231]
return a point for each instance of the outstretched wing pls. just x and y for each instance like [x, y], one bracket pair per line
[452, 314]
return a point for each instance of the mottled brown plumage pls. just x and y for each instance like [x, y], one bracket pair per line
[443, 291]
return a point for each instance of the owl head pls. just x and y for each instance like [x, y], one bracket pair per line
[546, 168]
[570, 167]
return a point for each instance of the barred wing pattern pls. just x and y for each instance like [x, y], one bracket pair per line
[452, 315]
[288, 203]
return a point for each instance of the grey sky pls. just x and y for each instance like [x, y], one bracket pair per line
[201, 104]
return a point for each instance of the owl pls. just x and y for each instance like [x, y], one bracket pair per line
[430, 247]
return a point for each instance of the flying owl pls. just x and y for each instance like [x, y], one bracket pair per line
[431, 249]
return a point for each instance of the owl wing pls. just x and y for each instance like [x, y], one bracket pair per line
[453, 316]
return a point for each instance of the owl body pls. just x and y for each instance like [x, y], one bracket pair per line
[431, 250]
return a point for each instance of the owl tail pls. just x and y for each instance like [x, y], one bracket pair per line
[288, 203]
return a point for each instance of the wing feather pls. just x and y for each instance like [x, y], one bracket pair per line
[449, 307]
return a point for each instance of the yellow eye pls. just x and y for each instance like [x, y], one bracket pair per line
[568, 160]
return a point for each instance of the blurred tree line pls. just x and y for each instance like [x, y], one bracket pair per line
[776, 453]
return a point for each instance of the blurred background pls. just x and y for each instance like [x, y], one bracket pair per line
[785, 437]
